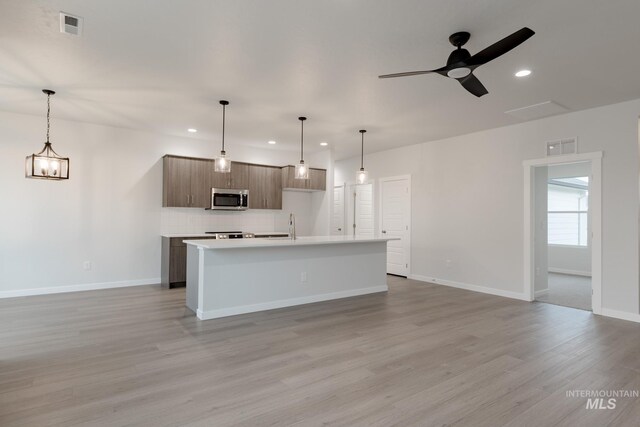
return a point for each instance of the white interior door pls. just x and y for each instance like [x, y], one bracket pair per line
[337, 215]
[395, 206]
[360, 215]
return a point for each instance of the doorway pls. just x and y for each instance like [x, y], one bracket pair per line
[566, 279]
[395, 221]
[562, 231]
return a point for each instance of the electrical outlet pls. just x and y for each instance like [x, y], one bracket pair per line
[303, 276]
[86, 265]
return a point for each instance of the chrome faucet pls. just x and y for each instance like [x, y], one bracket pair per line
[292, 226]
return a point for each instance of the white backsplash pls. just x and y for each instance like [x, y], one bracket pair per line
[192, 220]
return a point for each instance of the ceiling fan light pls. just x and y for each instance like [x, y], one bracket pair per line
[458, 73]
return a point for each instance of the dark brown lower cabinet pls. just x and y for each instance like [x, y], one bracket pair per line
[174, 261]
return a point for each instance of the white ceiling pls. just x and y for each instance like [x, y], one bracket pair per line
[162, 65]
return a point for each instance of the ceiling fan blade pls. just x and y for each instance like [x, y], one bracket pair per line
[501, 47]
[411, 73]
[473, 85]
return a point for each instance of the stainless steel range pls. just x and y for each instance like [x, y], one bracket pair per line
[231, 235]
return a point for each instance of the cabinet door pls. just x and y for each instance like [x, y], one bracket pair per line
[239, 176]
[176, 191]
[178, 264]
[258, 177]
[201, 183]
[274, 188]
[289, 179]
[318, 179]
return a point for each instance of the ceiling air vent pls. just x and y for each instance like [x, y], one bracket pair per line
[70, 24]
[562, 146]
[537, 111]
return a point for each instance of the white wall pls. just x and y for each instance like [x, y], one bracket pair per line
[322, 201]
[467, 199]
[109, 211]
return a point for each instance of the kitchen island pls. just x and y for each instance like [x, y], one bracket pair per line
[229, 277]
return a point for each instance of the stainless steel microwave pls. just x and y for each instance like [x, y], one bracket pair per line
[229, 200]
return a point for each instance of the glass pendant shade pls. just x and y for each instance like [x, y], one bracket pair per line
[222, 162]
[302, 171]
[47, 164]
[362, 176]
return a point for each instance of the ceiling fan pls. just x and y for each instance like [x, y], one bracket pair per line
[461, 63]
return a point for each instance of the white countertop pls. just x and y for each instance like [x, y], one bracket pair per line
[277, 242]
[186, 235]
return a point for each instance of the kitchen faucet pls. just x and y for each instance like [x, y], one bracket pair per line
[292, 226]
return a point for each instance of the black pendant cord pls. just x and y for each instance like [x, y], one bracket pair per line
[302, 119]
[362, 131]
[224, 117]
[48, 115]
[224, 110]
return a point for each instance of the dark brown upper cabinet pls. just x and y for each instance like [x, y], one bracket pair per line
[317, 180]
[237, 179]
[184, 182]
[187, 182]
[265, 187]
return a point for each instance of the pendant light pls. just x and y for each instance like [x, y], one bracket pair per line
[47, 164]
[222, 164]
[362, 174]
[302, 171]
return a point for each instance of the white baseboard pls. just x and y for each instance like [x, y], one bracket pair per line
[571, 272]
[623, 315]
[469, 287]
[271, 305]
[542, 292]
[77, 288]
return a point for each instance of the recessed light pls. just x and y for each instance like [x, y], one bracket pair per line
[324, 144]
[523, 73]
[192, 130]
[272, 142]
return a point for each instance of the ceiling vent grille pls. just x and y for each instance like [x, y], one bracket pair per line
[70, 24]
[562, 147]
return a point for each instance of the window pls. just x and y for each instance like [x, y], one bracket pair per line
[568, 222]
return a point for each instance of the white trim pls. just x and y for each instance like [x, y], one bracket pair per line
[271, 305]
[77, 288]
[624, 315]
[379, 221]
[542, 292]
[564, 159]
[470, 287]
[570, 272]
[595, 210]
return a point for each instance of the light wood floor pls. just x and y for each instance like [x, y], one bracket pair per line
[421, 355]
